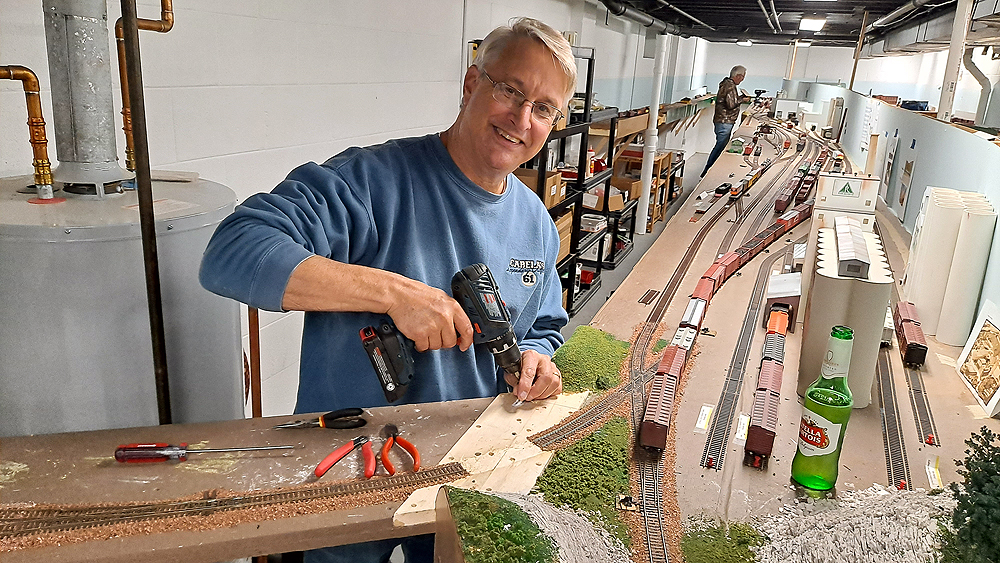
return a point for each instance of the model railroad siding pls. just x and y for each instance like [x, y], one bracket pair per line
[660, 403]
[774, 347]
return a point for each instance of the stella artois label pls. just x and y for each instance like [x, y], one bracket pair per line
[817, 435]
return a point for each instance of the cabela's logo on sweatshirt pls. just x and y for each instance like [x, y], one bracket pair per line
[527, 269]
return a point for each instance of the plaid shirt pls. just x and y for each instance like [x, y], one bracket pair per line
[727, 102]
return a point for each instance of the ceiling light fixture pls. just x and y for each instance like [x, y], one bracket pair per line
[815, 23]
[744, 42]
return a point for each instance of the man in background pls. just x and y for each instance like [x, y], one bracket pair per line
[727, 109]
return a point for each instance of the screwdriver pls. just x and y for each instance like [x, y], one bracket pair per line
[152, 453]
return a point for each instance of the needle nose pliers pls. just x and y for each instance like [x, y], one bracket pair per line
[343, 418]
[391, 435]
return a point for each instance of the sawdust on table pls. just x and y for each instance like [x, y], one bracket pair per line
[9, 471]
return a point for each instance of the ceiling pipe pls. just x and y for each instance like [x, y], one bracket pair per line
[956, 50]
[984, 83]
[683, 13]
[775, 12]
[622, 10]
[857, 50]
[766, 16]
[896, 14]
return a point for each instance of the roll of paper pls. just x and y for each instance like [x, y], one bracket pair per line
[965, 280]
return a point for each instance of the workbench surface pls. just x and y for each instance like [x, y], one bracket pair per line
[79, 468]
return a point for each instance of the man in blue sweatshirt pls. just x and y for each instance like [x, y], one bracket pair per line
[379, 232]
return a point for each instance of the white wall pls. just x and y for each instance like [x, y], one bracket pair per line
[242, 91]
[943, 155]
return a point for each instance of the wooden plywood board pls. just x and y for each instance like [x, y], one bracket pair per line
[496, 452]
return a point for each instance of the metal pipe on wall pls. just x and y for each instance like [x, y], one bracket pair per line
[649, 184]
[896, 14]
[775, 12]
[984, 83]
[76, 39]
[162, 25]
[36, 128]
[147, 225]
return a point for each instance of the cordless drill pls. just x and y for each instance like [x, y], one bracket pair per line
[476, 291]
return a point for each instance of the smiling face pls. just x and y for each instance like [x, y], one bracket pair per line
[489, 140]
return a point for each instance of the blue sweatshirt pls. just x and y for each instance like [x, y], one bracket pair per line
[404, 207]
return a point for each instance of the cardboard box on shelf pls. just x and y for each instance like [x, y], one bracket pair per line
[555, 188]
[629, 185]
[564, 224]
[616, 202]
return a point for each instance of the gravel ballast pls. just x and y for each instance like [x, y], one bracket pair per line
[876, 525]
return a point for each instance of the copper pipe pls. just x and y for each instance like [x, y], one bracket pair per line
[254, 322]
[36, 124]
[162, 25]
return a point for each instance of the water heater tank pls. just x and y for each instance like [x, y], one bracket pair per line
[75, 345]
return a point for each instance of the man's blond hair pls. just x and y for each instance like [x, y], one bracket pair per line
[524, 28]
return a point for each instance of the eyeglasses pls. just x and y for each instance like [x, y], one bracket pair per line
[513, 98]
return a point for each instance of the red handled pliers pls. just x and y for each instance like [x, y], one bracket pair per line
[339, 453]
[391, 435]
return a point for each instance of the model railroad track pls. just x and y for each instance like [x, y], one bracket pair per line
[548, 439]
[921, 409]
[551, 438]
[727, 241]
[896, 464]
[722, 420]
[922, 416]
[651, 468]
[15, 522]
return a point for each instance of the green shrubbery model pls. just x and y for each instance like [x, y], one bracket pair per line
[494, 530]
[590, 475]
[591, 360]
[976, 520]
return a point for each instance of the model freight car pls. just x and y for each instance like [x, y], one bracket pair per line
[912, 345]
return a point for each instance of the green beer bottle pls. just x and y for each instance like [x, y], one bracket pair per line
[827, 408]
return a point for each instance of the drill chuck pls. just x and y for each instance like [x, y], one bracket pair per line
[506, 353]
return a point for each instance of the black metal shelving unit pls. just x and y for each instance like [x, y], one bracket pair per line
[580, 241]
